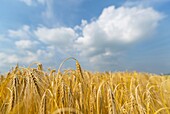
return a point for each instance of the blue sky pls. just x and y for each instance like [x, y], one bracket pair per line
[103, 35]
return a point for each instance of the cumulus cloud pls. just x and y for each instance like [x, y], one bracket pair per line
[26, 44]
[16, 58]
[11, 59]
[8, 59]
[115, 30]
[42, 44]
[22, 33]
[60, 37]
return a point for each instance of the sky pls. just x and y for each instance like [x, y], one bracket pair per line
[104, 35]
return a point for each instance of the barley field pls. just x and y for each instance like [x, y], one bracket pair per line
[32, 90]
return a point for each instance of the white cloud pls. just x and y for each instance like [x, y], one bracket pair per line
[127, 24]
[23, 33]
[5, 59]
[115, 30]
[60, 37]
[26, 44]
[26, 57]
[16, 58]
[9, 60]
[54, 43]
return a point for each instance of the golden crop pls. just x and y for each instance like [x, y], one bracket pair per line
[34, 91]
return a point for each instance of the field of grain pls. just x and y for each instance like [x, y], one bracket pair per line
[35, 91]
